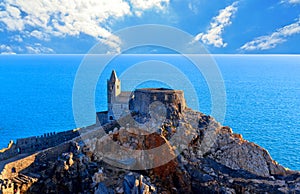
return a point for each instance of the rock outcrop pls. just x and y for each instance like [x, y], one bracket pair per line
[188, 152]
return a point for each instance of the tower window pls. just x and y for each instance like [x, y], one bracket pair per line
[166, 97]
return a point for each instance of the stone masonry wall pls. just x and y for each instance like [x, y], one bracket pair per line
[37, 143]
[9, 152]
[13, 168]
[33, 144]
[101, 118]
[143, 98]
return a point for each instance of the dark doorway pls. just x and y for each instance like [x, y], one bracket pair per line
[179, 107]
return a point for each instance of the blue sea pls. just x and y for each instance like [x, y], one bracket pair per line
[262, 94]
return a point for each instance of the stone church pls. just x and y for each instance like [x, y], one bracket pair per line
[121, 102]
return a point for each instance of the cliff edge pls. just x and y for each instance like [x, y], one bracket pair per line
[192, 153]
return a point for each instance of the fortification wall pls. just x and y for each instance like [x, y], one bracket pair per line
[118, 110]
[36, 143]
[9, 152]
[101, 118]
[143, 98]
[13, 168]
[53, 152]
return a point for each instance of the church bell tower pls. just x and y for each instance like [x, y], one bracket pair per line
[113, 90]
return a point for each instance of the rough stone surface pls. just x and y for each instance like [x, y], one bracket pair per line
[199, 156]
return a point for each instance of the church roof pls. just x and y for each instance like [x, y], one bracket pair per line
[113, 76]
[125, 94]
[123, 97]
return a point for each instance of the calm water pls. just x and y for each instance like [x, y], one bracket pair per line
[262, 95]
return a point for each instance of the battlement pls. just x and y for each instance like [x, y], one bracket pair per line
[37, 143]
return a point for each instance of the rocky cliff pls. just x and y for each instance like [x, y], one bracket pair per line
[187, 153]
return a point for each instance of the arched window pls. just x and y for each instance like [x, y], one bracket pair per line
[154, 97]
[166, 97]
[111, 118]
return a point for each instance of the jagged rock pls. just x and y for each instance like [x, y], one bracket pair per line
[69, 158]
[74, 147]
[119, 190]
[201, 177]
[99, 176]
[199, 156]
[102, 189]
[135, 184]
[236, 153]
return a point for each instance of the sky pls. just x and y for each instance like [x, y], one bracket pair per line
[222, 26]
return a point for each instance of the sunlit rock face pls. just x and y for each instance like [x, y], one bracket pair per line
[185, 152]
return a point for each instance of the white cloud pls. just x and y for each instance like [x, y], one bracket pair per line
[8, 53]
[61, 18]
[149, 4]
[11, 17]
[39, 35]
[294, 1]
[17, 38]
[272, 40]
[139, 6]
[47, 18]
[71, 18]
[291, 1]
[37, 48]
[13, 11]
[217, 26]
[5, 49]
[194, 6]
[138, 13]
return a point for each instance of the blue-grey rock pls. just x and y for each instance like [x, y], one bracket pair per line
[143, 185]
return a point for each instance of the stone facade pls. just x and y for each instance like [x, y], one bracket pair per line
[101, 118]
[117, 101]
[144, 98]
